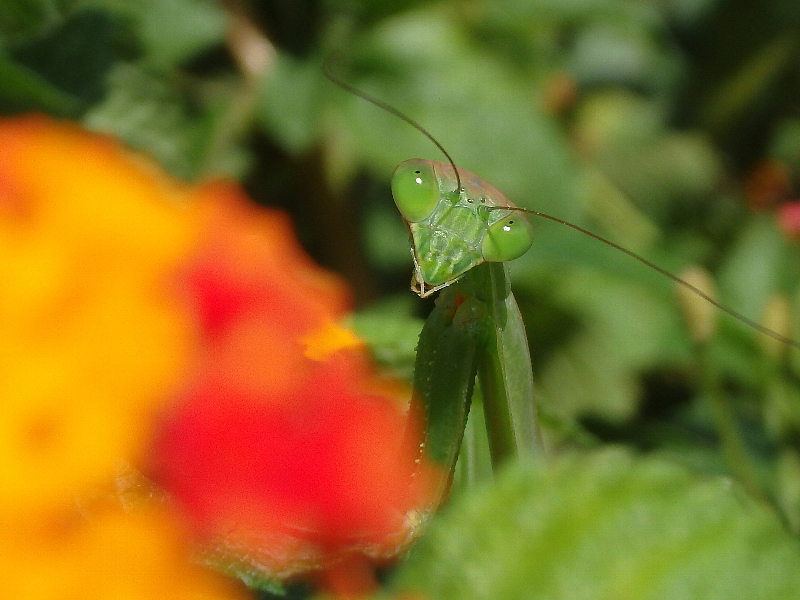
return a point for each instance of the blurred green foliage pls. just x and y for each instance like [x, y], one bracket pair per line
[669, 126]
[620, 527]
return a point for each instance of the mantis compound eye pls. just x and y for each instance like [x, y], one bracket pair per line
[415, 189]
[508, 238]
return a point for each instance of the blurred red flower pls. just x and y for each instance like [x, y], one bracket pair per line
[180, 329]
[287, 453]
[789, 219]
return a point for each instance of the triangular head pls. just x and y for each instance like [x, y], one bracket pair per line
[456, 222]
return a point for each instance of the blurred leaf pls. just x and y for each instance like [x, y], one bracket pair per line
[391, 333]
[615, 212]
[24, 17]
[753, 267]
[785, 145]
[623, 53]
[782, 409]
[422, 64]
[22, 89]
[371, 11]
[596, 372]
[386, 237]
[144, 110]
[749, 83]
[606, 525]
[629, 139]
[291, 102]
[74, 57]
[689, 12]
[788, 480]
[617, 120]
[509, 12]
[170, 31]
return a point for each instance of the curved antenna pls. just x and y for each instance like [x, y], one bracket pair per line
[327, 69]
[736, 315]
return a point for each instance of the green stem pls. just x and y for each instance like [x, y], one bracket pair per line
[734, 450]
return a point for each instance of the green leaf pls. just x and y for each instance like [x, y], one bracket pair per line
[477, 106]
[76, 56]
[619, 51]
[23, 17]
[606, 525]
[391, 333]
[753, 78]
[170, 31]
[753, 267]
[180, 131]
[422, 63]
[291, 102]
[23, 89]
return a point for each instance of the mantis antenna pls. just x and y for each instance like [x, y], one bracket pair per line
[327, 69]
[736, 315]
[331, 75]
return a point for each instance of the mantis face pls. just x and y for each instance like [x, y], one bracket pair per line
[454, 230]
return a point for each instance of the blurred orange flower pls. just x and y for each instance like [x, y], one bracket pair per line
[181, 330]
[137, 555]
[94, 335]
[288, 454]
[95, 341]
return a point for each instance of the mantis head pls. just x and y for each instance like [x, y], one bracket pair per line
[419, 186]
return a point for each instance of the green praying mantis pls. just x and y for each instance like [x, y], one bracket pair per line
[463, 231]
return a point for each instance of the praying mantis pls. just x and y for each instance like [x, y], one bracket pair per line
[463, 231]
